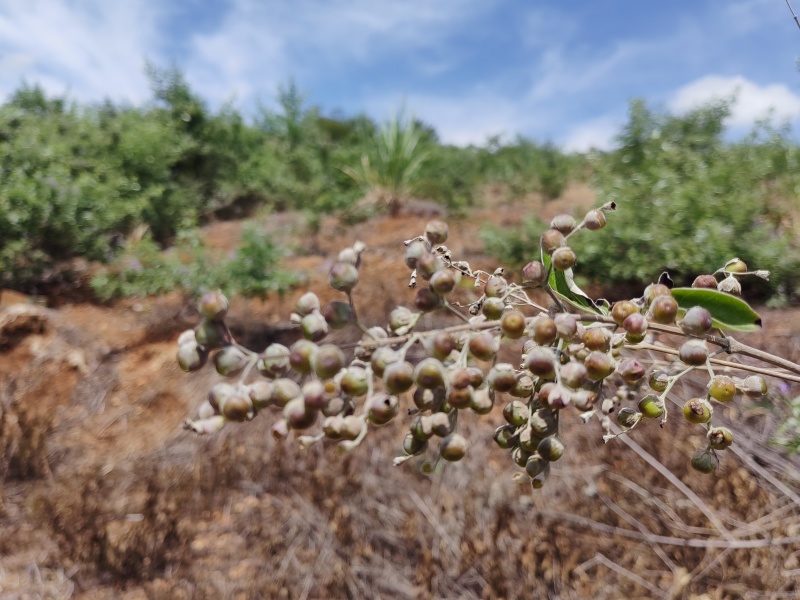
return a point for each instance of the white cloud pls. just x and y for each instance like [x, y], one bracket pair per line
[752, 101]
[90, 49]
[260, 44]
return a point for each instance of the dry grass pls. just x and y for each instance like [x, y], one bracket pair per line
[105, 496]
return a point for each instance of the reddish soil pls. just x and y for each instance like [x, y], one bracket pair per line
[105, 496]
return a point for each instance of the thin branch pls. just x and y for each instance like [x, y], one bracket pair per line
[796, 20]
[668, 540]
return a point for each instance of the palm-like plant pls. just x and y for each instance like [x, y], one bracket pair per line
[387, 173]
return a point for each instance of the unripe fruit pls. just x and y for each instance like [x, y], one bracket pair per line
[334, 405]
[735, 266]
[501, 377]
[541, 362]
[481, 402]
[414, 250]
[620, 310]
[332, 427]
[754, 386]
[440, 424]
[219, 393]
[483, 345]
[436, 232]
[550, 448]
[520, 457]
[559, 397]
[426, 300]
[628, 417]
[513, 324]
[274, 361]
[543, 422]
[722, 388]
[442, 282]
[191, 356]
[301, 355]
[420, 428]
[693, 353]
[705, 281]
[504, 436]
[187, 337]
[564, 258]
[412, 446]
[382, 409]
[534, 466]
[476, 377]
[534, 274]
[352, 427]
[493, 308]
[354, 382]
[279, 429]
[260, 393]
[599, 365]
[428, 264]
[453, 447]
[285, 390]
[566, 325]
[544, 331]
[651, 407]
[306, 304]
[314, 326]
[401, 320]
[528, 440]
[664, 309]
[594, 220]
[705, 461]
[551, 240]
[697, 411]
[597, 338]
[213, 305]
[429, 373]
[563, 223]
[523, 388]
[298, 415]
[327, 361]
[461, 397]
[495, 287]
[584, 400]
[398, 377]
[658, 381]
[653, 291]
[720, 438]
[635, 326]
[237, 407]
[382, 357]
[574, 374]
[313, 392]
[697, 321]
[211, 334]
[343, 276]
[516, 413]
[424, 399]
[631, 371]
[338, 314]
[230, 361]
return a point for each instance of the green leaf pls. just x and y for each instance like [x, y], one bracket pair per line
[728, 312]
[563, 284]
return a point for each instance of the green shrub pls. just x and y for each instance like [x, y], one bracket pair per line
[189, 266]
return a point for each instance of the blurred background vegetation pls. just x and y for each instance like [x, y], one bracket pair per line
[118, 184]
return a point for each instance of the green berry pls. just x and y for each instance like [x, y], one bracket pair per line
[213, 305]
[705, 461]
[493, 308]
[719, 438]
[191, 356]
[651, 407]
[230, 361]
[722, 388]
[343, 276]
[436, 232]
[697, 321]
[697, 411]
[564, 258]
[693, 353]
[453, 447]
[398, 377]
[382, 408]
[550, 448]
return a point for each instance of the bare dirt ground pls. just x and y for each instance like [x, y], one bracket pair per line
[105, 496]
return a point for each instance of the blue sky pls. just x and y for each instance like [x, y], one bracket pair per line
[555, 70]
